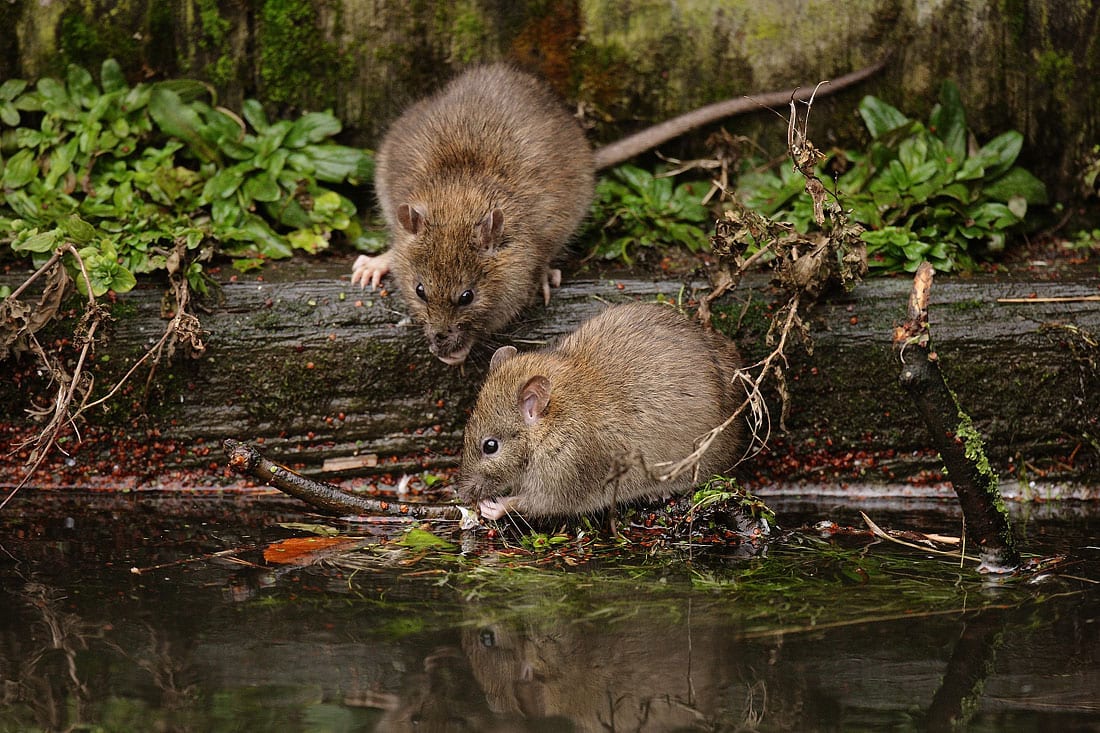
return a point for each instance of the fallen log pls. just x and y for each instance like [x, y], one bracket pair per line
[316, 369]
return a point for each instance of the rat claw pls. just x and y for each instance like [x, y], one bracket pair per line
[370, 270]
[552, 277]
[496, 508]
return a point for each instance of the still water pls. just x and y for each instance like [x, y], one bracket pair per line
[228, 628]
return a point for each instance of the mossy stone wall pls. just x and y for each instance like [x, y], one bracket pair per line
[1020, 64]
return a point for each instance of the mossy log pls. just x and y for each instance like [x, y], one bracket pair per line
[318, 370]
[952, 433]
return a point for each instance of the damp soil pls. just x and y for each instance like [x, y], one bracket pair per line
[236, 610]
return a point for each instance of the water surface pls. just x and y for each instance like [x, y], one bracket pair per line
[812, 632]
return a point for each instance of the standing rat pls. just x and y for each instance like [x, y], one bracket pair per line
[481, 186]
[588, 423]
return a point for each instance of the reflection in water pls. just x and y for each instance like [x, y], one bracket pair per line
[583, 676]
[222, 645]
[970, 664]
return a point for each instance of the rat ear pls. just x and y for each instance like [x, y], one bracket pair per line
[501, 355]
[534, 399]
[488, 231]
[412, 218]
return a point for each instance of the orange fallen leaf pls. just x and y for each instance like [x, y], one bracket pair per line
[307, 550]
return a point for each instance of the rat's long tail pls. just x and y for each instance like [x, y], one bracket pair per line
[651, 137]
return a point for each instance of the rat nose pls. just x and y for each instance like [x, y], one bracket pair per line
[440, 340]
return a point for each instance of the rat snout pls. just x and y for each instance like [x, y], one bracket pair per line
[476, 491]
[450, 345]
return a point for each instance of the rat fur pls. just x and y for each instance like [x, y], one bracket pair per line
[482, 184]
[588, 423]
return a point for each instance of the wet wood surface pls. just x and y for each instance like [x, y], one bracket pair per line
[319, 370]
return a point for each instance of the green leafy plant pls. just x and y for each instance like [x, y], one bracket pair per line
[634, 208]
[148, 177]
[922, 191]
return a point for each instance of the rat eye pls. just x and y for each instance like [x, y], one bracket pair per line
[466, 298]
[420, 292]
[489, 446]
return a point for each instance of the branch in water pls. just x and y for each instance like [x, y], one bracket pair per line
[953, 434]
[326, 498]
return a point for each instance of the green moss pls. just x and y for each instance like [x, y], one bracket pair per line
[298, 66]
[135, 34]
[87, 43]
[215, 38]
[467, 34]
[974, 450]
[1058, 69]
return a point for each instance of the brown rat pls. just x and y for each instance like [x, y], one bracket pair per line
[481, 186]
[587, 423]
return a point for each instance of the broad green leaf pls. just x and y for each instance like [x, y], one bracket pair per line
[9, 115]
[1017, 182]
[311, 128]
[122, 280]
[948, 120]
[262, 187]
[998, 155]
[95, 265]
[638, 179]
[223, 184]
[55, 100]
[60, 162]
[289, 213]
[137, 98]
[23, 205]
[36, 241]
[120, 128]
[253, 113]
[971, 170]
[327, 203]
[177, 119]
[100, 107]
[81, 86]
[422, 539]
[219, 125]
[270, 141]
[237, 150]
[247, 264]
[269, 243]
[20, 169]
[12, 88]
[30, 101]
[80, 231]
[111, 76]
[307, 240]
[912, 153]
[225, 213]
[879, 116]
[188, 90]
[334, 163]
[956, 191]
[992, 214]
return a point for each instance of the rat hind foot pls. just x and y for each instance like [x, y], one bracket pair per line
[369, 270]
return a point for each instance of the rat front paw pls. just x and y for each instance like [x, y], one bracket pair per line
[370, 270]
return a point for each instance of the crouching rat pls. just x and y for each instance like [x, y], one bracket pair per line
[481, 186]
[586, 424]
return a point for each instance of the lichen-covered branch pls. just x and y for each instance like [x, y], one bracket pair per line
[953, 434]
[326, 498]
